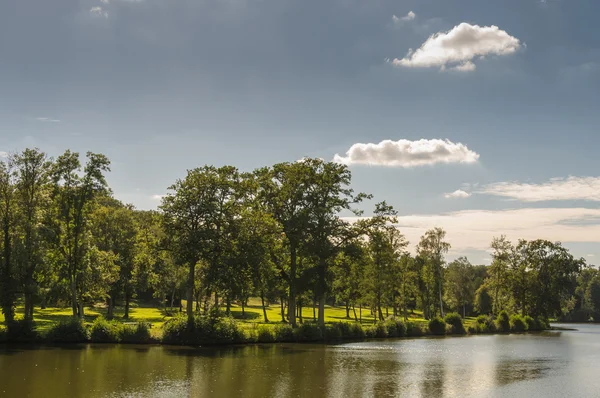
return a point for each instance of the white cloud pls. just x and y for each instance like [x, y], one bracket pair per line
[3, 154]
[158, 197]
[457, 48]
[475, 229]
[408, 17]
[571, 188]
[104, 1]
[47, 119]
[99, 12]
[405, 153]
[459, 193]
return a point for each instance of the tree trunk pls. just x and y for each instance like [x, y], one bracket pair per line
[243, 308]
[228, 305]
[127, 300]
[354, 310]
[172, 299]
[74, 296]
[216, 301]
[262, 300]
[321, 320]
[190, 294]
[109, 310]
[300, 311]
[81, 313]
[282, 309]
[347, 310]
[464, 311]
[441, 301]
[314, 308]
[360, 312]
[292, 282]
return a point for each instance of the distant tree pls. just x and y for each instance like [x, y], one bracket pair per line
[73, 196]
[8, 219]
[459, 284]
[483, 300]
[432, 248]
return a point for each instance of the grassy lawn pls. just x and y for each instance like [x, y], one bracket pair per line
[252, 317]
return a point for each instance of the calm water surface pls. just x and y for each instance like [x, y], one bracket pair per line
[553, 364]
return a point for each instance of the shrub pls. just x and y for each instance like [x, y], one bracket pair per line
[284, 333]
[395, 328]
[482, 319]
[371, 332]
[139, 333]
[503, 322]
[103, 331]
[203, 331]
[71, 330]
[413, 330]
[472, 330]
[355, 331]
[334, 331]
[21, 330]
[542, 323]
[265, 334]
[455, 320]
[530, 322]
[308, 332]
[437, 326]
[517, 324]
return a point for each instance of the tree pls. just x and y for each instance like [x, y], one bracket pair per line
[73, 198]
[115, 231]
[196, 215]
[7, 224]
[283, 193]
[483, 300]
[32, 169]
[503, 252]
[459, 284]
[432, 248]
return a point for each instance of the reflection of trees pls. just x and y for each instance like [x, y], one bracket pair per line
[515, 370]
[434, 374]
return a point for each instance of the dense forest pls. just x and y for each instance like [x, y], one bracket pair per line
[290, 235]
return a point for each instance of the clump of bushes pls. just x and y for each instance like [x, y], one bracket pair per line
[437, 326]
[413, 330]
[517, 324]
[395, 328]
[284, 333]
[503, 322]
[308, 332]
[103, 331]
[21, 330]
[265, 334]
[455, 321]
[71, 330]
[203, 331]
[530, 322]
[485, 324]
[138, 333]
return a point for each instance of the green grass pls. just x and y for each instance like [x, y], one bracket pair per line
[252, 317]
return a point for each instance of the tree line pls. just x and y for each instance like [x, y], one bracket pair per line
[291, 235]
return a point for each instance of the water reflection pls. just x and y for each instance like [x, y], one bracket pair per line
[511, 365]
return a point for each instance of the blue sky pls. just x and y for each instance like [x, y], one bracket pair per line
[161, 86]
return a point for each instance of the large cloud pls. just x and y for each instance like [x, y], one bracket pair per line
[457, 48]
[405, 153]
[571, 188]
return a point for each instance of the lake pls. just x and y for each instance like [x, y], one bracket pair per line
[550, 364]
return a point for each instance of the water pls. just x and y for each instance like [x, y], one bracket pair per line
[552, 364]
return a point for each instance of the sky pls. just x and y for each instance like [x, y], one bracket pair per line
[477, 116]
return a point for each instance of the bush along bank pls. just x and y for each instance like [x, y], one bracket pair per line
[212, 330]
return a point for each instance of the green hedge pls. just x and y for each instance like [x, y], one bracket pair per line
[437, 326]
[455, 321]
[71, 330]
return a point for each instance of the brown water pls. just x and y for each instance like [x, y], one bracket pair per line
[554, 364]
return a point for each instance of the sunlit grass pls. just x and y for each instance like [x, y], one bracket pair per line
[251, 317]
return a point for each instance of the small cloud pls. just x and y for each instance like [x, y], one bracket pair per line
[99, 12]
[409, 17]
[591, 255]
[104, 1]
[457, 48]
[570, 188]
[3, 154]
[158, 197]
[459, 193]
[405, 153]
[47, 120]
[465, 67]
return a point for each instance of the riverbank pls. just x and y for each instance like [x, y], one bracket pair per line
[215, 330]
